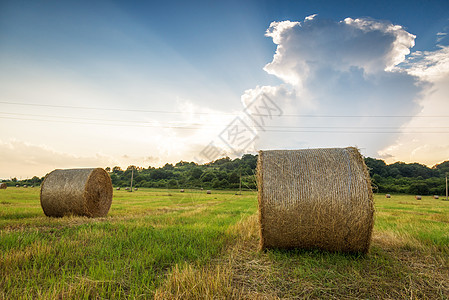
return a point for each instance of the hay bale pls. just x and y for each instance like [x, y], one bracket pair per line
[387, 196]
[181, 191]
[208, 192]
[3, 186]
[417, 197]
[81, 192]
[25, 186]
[118, 188]
[315, 198]
[127, 189]
[17, 185]
[135, 189]
[436, 197]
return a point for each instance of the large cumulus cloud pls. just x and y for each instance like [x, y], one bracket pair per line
[432, 144]
[339, 68]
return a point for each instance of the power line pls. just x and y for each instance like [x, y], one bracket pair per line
[176, 125]
[265, 130]
[220, 113]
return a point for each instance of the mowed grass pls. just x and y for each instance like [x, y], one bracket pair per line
[169, 245]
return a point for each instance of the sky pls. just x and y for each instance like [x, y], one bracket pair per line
[119, 83]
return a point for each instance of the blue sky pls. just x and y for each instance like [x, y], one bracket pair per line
[196, 62]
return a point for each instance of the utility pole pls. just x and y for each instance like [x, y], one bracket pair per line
[132, 175]
[446, 188]
[240, 185]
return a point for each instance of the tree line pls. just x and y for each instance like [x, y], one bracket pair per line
[226, 173]
[413, 178]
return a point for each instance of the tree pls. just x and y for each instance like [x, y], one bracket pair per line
[208, 177]
[168, 167]
[234, 178]
[195, 173]
[376, 166]
[419, 188]
[173, 183]
[35, 180]
[117, 170]
[158, 174]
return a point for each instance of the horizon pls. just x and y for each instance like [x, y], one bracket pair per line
[202, 164]
[144, 84]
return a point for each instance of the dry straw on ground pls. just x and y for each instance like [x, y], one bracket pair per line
[3, 186]
[315, 198]
[81, 192]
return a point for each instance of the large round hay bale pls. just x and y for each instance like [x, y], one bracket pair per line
[315, 198]
[81, 192]
[3, 186]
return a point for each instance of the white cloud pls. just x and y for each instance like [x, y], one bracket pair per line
[27, 160]
[441, 36]
[347, 68]
[431, 67]
[309, 46]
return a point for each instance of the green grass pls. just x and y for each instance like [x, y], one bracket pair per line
[166, 244]
[426, 220]
[125, 254]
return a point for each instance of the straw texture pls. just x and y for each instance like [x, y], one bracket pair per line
[315, 198]
[81, 192]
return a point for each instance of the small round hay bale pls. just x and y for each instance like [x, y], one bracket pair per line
[135, 189]
[118, 188]
[387, 196]
[418, 197]
[436, 197]
[315, 198]
[127, 189]
[81, 192]
[181, 191]
[25, 186]
[208, 192]
[31, 186]
[17, 185]
[3, 186]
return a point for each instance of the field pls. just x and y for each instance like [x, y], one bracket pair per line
[165, 244]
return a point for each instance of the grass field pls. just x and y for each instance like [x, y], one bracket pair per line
[168, 245]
